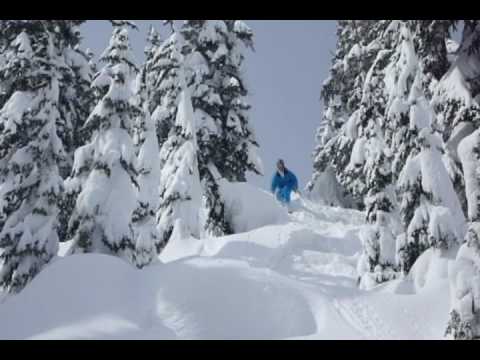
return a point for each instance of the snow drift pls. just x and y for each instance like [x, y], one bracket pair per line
[249, 208]
[295, 280]
[103, 297]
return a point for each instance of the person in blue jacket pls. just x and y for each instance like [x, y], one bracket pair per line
[283, 183]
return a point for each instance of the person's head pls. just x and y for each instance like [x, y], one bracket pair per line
[281, 165]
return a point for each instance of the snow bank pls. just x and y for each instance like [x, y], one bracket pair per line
[180, 245]
[290, 281]
[102, 297]
[80, 296]
[383, 315]
[430, 269]
[248, 207]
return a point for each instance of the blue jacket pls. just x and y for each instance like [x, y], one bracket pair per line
[289, 181]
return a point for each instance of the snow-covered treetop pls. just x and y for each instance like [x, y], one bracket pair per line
[153, 42]
[119, 50]
[23, 45]
[243, 32]
[119, 53]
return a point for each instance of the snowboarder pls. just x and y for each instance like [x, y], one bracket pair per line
[283, 183]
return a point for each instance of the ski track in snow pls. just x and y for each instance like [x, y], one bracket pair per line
[363, 317]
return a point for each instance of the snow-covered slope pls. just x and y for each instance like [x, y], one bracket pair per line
[287, 280]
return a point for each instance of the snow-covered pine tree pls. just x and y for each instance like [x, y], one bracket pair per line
[30, 154]
[75, 96]
[104, 169]
[76, 102]
[5, 40]
[419, 56]
[341, 95]
[377, 263]
[465, 273]
[223, 98]
[227, 146]
[464, 276]
[148, 163]
[74, 78]
[385, 103]
[430, 209]
[163, 73]
[154, 41]
[468, 145]
[180, 188]
[148, 169]
[457, 111]
[145, 79]
[410, 79]
[402, 70]
[205, 100]
[430, 43]
[413, 72]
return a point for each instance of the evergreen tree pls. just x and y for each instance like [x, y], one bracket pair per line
[221, 95]
[75, 96]
[378, 259]
[412, 73]
[148, 164]
[163, 72]
[180, 188]
[104, 169]
[430, 209]
[418, 62]
[76, 102]
[227, 147]
[377, 101]
[146, 78]
[148, 169]
[469, 155]
[458, 98]
[464, 274]
[30, 153]
[430, 43]
[341, 95]
[402, 70]
[458, 113]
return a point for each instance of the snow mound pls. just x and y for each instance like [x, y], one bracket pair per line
[430, 269]
[180, 246]
[248, 208]
[80, 296]
[103, 297]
